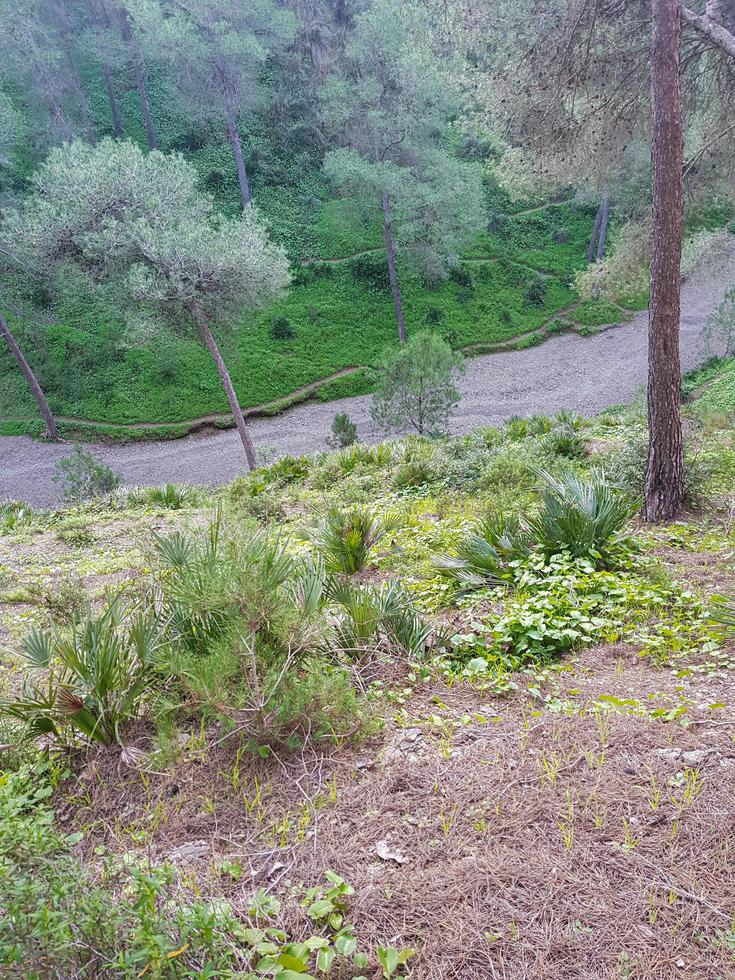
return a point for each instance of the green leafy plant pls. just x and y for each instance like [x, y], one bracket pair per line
[343, 432]
[377, 618]
[583, 516]
[97, 675]
[172, 496]
[346, 538]
[482, 559]
[82, 477]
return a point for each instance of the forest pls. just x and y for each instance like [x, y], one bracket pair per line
[367, 483]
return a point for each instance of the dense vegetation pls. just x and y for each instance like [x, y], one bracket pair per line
[254, 635]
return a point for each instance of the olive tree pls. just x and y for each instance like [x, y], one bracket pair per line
[416, 386]
[137, 228]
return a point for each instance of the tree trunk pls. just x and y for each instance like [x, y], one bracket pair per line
[665, 470]
[242, 174]
[100, 21]
[247, 442]
[595, 235]
[132, 45]
[391, 254]
[51, 431]
[66, 35]
[605, 207]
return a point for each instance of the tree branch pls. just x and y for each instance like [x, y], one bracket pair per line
[710, 28]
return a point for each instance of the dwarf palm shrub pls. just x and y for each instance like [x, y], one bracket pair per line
[345, 539]
[172, 496]
[96, 675]
[582, 516]
[481, 559]
[372, 618]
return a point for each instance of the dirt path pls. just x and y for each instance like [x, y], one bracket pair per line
[586, 374]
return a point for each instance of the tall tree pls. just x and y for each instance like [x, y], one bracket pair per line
[394, 102]
[138, 226]
[52, 431]
[218, 49]
[138, 66]
[665, 470]
[100, 45]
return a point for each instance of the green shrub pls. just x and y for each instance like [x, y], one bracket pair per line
[14, 515]
[416, 386]
[343, 432]
[413, 473]
[171, 496]
[378, 618]
[581, 516]
[82, 477]
[565, 441]
[345, 539]
[536, 290]
[482, 559]
[282, 329]
[96, 675]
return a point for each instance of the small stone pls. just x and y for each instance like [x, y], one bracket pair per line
[696, 756]
[189, 852]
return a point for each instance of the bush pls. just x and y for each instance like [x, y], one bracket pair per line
[565, 441]
[282, 329]
[345, 539]
[96, 676]
[172, 496]
[82, 477]
[343, 432]
[370, 269]
[433, 316]
[582, 516]
[536, 289]
[416, 386]
[383, 618]
[413, 473]
[481, 560]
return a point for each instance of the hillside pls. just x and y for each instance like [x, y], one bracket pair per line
[338, 315]
[513, 761]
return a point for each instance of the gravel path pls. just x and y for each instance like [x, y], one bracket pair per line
[572, 372]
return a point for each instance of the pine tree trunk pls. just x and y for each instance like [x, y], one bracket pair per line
[665, 470]
[595, 235]
[242, 174]
[66, 34]
[132, 45]
[391, 254]
[51, 430]
[103, 21]
[605, 206]
[247, 442]
[117, 129]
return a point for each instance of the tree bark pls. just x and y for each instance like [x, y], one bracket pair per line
[66, 34]
[52, 431]
[247, 442]
[100, 21]
[391, 254]
[595, 235]
[242, 174]
[132, 45]
[664, 494]
[605, 208]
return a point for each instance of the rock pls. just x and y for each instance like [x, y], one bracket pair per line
[386, 853]
[186, 853]
[696, 757]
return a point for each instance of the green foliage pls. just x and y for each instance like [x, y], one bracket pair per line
[346, 539]
[416, 387]
[95, 676]
[566, 441]
[378, 618]
[343, 432]
[82, 477]
[282, 329]
[535, 291]
[171, 496]
[15, 515]
[582, 516]
[128, 918]
[483, 559]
